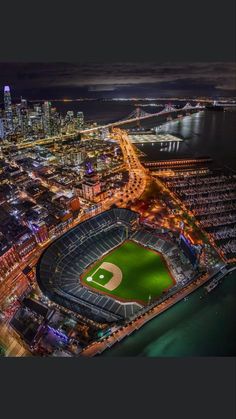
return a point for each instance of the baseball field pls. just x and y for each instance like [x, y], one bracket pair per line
[130, 273]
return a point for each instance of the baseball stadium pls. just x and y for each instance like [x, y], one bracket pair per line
[109, 267]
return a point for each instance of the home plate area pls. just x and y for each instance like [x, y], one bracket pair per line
[107, 275]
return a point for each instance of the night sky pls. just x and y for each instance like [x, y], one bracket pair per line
[71, 81]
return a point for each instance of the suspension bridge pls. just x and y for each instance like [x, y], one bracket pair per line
[137, 115]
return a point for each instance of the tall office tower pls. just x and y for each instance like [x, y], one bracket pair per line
[23, 103]
[21, 119]
[8, 108]
[70, 121]
[38, 113]
[80, 119]
[24, 121]
[69, 116]
[55, 122]
[47, 118]
[38, 109]
[18, 115]
[2, 131]
[104, 133]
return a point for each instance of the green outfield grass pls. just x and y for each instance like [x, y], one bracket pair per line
[143, 273]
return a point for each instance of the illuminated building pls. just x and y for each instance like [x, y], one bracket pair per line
[72, 204]
[23, 103]
[190, 251]
[54, 122]
[101, 163]
[8, 108]
[69, 116]
[40, 231]
[8, 256]
[91, 186]
[2, 131]
[75, 204]
[80, 119]
[24, 121]
[47, 118]
[21, 117]
[25, 244]
[73, 158]
[38, 110]
[17, 119]
[104, 133]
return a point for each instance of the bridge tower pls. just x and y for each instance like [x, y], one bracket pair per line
[138, 113]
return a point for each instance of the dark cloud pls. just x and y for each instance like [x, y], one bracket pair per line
[75, 80]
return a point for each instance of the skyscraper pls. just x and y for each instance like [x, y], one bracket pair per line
[47, 118]
[24, 121]
[54, 122]
[2, 131]
[80, 119]
[8, 109]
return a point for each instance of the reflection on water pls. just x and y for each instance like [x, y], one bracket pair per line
[204, 134]
[183, 125]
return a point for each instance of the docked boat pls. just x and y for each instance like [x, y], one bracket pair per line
[210, 287]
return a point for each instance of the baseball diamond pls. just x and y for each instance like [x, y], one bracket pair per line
[130, 273]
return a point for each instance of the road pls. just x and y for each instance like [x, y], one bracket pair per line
[138, 176]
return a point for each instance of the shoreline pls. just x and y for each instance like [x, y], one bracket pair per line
[96, 348]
